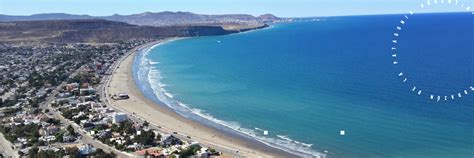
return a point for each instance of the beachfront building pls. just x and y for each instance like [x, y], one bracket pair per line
[170, 140]
[119, 117]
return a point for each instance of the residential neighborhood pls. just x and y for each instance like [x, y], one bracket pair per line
[51, 105]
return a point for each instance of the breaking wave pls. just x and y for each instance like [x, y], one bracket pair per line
[149, 77]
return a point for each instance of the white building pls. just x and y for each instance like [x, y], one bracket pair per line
[119, 117]
[88, 90]
[86, 149]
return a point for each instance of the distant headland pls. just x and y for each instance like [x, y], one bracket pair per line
[165, 18]
[69, 28]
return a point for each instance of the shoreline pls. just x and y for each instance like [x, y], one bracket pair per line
[122, 81]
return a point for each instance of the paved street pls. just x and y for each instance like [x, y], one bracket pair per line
[85, 138]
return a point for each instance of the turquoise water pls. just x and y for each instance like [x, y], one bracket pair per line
[304, 82]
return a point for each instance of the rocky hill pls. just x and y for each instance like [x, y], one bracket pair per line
[47, 16]
[158, 19]
[96, 30]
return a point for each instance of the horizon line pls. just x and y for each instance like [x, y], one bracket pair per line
[313, 16]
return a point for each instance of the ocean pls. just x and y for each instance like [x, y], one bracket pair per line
[305, 82]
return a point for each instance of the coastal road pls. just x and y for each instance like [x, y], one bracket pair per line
[6, 148]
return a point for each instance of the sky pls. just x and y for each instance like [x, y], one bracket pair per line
[282, 8]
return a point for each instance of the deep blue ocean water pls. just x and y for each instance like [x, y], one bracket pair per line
[304, 82]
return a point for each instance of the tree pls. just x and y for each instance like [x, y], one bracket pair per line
[126, 127]
[192, 150]
[70, 129]
[99, 153]
[114, 128]
[49, 154]
[212, 150]
[67, 113]
[158, 136]
[52, 121]
[145, 124]
[73, 152]
[54, 104]
[145, 138]
[59, 136]
[33, 152]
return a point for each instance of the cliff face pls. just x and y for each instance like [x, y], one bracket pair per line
[95, 30]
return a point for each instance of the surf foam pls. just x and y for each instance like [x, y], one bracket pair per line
[147, 74]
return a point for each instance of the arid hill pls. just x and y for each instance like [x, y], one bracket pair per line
[165, 18]
[96, 30]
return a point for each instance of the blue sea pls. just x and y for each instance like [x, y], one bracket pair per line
[305, 82]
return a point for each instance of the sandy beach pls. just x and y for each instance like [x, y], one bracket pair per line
[122, 81]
